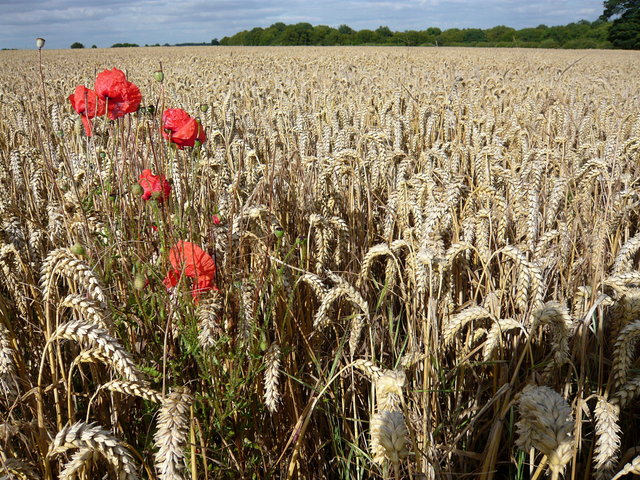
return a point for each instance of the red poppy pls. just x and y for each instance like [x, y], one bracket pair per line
[87, 104]
[122, 96]
[179, 128]
[154, 183]
[189, 259]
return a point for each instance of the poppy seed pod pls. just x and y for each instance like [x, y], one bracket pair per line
[139, 282]
[159, 76]
[78, 249]
[40, 43]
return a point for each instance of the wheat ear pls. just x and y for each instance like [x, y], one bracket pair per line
[91, 310]
[607, 437]
[389, 438]
[494, 337]
[627, 392]
[624, 350]
[8, 373]
[72, 468]
[171, 436]
[62, 262]
[546, 423]
[133, 389]
[460, 320]
[389, 387]
[624, 258]
[556, 317]
[120, 359]
[92, 437]
[208, 314]
[370, 368]
[271, 377]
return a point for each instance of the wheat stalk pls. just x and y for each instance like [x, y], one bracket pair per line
[15, 468]
[632, 467]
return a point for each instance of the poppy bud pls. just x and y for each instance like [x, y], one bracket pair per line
[78, 249]
[159, 76]
[151, 109]
[278, 231]
[216, 220]
[40, 43]
[137, 189]
[139, 282]
[204, 108]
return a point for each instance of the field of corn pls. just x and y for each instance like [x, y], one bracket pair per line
[426, 266]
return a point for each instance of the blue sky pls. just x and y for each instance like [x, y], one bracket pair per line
[62, 22]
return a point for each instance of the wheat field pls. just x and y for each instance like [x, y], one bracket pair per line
[426, 266]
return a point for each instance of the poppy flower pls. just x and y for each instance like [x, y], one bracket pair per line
[190, 260]
[151, 184]
[121, 96]
[179, 128]
[87, 103]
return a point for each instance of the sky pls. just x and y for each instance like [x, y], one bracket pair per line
[103, 23]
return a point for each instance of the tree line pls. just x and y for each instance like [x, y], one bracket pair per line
[582, 34]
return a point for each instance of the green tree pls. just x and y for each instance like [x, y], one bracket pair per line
[500, 33]
[451, 36]
[363, 37]
[625, 30]
[215, 41]
[384, 32]
[77, 45]
[474, 35]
